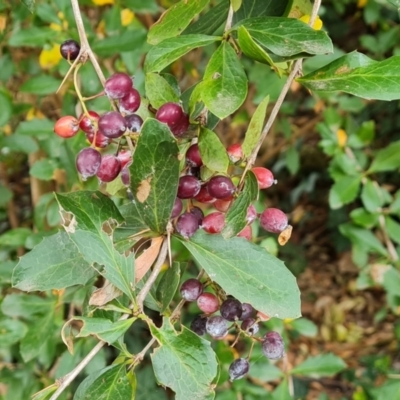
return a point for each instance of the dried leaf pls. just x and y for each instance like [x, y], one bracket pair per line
[105, 294]
[147, 258]
[284, 236]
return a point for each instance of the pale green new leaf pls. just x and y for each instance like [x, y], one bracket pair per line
[213, 152]
[158, 91]
[320, 366]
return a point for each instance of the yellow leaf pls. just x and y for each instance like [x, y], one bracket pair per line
[34, 113]
[55, 27]
[103, 2]
[50, 57]
[3, 22]
[127, 16]
[317, 24]
[362, 3]
[341, 137]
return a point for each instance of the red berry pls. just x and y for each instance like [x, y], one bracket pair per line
[130, 102]
[189, 187]
[208, 303]
[235, 152]
[214, 222]
[193, 157]
[198, 213]
[181, 126]
[66, 127]
[118, 85]
[101, 140]
[125, 176]
[125, 158]
[109, 168]
[221, 187]
[251, 214]
[88, 162]
[264, 176]
[112, 124]
[170, 114]
[187, 225]
[177, 208]
[204, 197]
[273, 346]
[246, 233]
[191, 289]
[70, 49]
[87, 124]
[222, 205]
[273, 220]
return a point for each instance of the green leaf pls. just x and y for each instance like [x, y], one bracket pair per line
[41, 85]
[393, 229]
[371, 196]
[224, 87]
[36, 337]
[43, 169]
[155, 174]
[251, 49]
[192, 364]
[5, 196]
[305, 327]
[391, 388]
[169, 50]
[386, 159]
[292, 158]
[255, 128]
[133, 223]
[93, 215]
[235, 219]
[20, 143]
[15, 238]
[173, 21]
[55, 263]
[21, 305]
[213, 152]
[31, 37]
[103, 329]
[320, 366]
[297, 8]
[159, 91]
[344, 191]
[30, 4]
[363, 218]
[286, 37]
[11, 331]
[168, 285]
[247, 272]
[211, 21]
[260, 8]
[236, 4]
[111, 382]
[358, 75]
[6, 109]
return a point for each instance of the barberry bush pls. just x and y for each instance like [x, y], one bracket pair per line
[157, 216]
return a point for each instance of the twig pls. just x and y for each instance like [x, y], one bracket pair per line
[228, 24]
[153, 276]
[389, 244]
[296, 69]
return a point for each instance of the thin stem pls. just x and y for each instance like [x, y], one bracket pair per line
[153, 276]
[78, 92]
[389, 244]
[228, 24]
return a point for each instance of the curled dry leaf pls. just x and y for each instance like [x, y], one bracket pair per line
[144, 262]
[104, 295]
[285, 235]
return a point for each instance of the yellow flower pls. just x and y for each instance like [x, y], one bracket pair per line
[50, 57]
[103, 2]
[317, 24]
[341, 137]
[127, 16]
[362, 3]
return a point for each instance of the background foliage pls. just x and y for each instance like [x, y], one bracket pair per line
[335, 157]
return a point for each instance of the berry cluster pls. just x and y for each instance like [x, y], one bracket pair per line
[232, 315]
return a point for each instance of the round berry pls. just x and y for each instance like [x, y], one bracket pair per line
[191, 289]
[231, 309]
[112, 124]
[217, 327]
[177, 208]
[125, 158]
[130, 102]
[193, 157]
[208, 303]
[109, 168]
[235, 152]
[100, 140]
[250, 326]
[118, 85]
[198, 213]
[189, 186]
[272, 345]
[198, 325]
[66, 127]
[70, 49]
[181, 126]
[273, 220]
[214, 222]
[247, 311]
[204, 197]
[187, 225]
[87, 123]
[238, 369]
[133, 122]
[170, 114]
[251, 214]
[88, 162]
[264, 176]
[246, 232]
[125, 176]
[221, 187]
[222, 205]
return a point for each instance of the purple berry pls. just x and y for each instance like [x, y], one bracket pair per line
[118, 85]
[133, 122]
[198, 213]
[187, 224]
[198, 325]
[125, 176]
[221, 187]
[88, 162]
[177, 208]
[238, 369]
[250, 326]
[208, 303]
[231, 309]
[204, 197]
[193, 157]
[272, 345]
[213, 222]
[87, 124]
[70, 49]
[170, 114]
[251, 214]
[191, 289]
[112, 124]
[130, 102]
[109, 168]
[181, 126]
[217, 327]
[247, 311]
[188, 187]
[273, 220]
